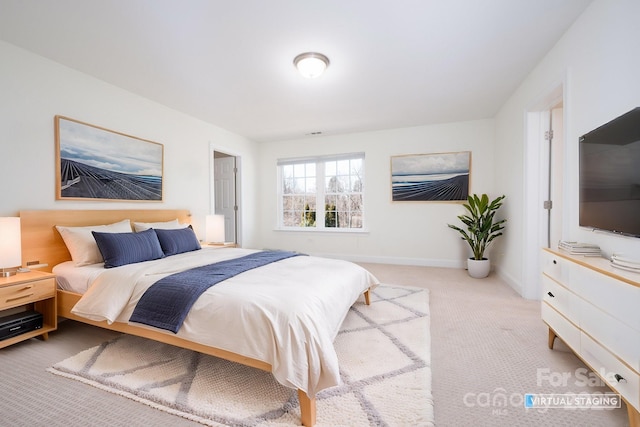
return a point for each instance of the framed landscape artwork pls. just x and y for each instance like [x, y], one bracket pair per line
[439, 177]
[94, 163]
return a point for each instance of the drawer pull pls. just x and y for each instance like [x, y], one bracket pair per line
[619, 378]
[20, 297]
[555, 262]
[550, 294]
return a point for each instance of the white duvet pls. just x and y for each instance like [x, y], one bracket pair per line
[286, 313]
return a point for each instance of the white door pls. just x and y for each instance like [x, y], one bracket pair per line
[224, 178]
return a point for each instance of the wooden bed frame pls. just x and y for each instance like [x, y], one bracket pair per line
[42, 244]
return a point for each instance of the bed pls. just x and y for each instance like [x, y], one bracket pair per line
[284, 315]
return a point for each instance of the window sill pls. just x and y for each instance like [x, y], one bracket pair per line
[323, 230]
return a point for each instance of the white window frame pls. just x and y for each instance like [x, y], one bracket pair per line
[320, 193]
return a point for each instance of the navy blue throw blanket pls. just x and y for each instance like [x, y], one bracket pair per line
[167, 302]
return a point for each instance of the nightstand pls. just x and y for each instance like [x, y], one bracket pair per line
[219, 245]
[33, 290]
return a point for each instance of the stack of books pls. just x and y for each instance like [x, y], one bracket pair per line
[625, 263]
[577, 248]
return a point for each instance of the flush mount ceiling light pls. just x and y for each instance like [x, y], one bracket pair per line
[311, 64]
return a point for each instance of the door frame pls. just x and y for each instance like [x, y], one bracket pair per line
[238, 190]
[536, 184]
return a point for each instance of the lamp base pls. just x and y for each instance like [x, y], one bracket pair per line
[6, 272]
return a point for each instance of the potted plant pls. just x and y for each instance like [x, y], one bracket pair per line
[481, 229]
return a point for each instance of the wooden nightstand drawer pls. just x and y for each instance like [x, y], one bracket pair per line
[33, 290]
[23, 293]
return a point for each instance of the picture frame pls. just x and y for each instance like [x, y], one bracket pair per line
[436, 177]
[94, 163]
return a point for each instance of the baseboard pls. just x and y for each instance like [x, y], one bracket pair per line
[421, 262]
[510, 280]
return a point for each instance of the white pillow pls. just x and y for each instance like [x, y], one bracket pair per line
[167, 225]
[81, 244]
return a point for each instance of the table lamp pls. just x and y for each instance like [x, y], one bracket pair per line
[10, 246]
[215, 229]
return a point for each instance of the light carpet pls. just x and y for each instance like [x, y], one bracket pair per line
[383, 351]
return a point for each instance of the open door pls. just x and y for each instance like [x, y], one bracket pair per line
[225, 192]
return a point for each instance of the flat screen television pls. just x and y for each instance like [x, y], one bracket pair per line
[610, 176]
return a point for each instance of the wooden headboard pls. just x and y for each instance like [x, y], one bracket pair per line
[42, 243]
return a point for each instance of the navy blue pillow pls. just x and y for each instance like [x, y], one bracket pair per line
[177, 241]
[127, 248]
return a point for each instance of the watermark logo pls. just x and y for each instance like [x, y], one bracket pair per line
[572, 401]
[499, 400]
[581, 377]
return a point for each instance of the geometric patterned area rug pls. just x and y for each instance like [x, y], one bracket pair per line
[383, 351]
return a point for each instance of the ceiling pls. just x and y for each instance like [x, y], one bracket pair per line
[230, 63]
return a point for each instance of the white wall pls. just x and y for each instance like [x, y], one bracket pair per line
[597, 60]
[33, 90]
[398, 232]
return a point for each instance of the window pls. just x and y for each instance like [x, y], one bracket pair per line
[323, 192]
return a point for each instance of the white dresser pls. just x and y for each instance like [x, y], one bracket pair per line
[595, 309]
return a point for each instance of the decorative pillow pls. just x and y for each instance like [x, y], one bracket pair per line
[127, 248]
[166, 225]
[81, 244]
[178, 241]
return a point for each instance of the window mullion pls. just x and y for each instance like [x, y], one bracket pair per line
[280, 194]
[320, 186]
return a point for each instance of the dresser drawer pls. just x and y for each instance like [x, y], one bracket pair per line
[608, 366]
[611, 333]
[564, 329]
[617, 298]
[23, 293]
[556, 267]
[560, 298]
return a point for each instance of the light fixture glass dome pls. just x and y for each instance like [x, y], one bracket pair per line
[311, 64]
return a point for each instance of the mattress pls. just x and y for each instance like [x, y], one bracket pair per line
[286, 313]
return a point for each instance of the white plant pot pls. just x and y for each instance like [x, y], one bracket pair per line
[478, 269]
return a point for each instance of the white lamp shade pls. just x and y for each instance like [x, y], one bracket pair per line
[215, 229]
[10, 245]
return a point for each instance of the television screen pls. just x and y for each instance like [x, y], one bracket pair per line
[610, 176]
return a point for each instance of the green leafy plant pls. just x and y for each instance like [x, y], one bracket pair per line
[481, 226]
